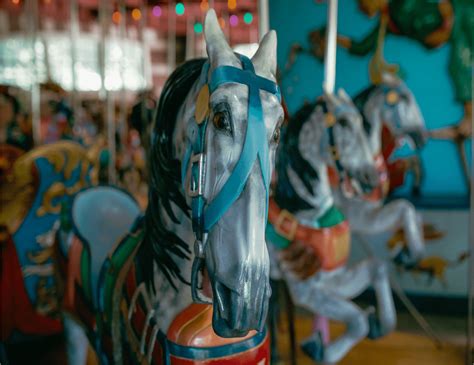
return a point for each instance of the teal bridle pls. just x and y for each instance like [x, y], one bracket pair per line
[205, 214]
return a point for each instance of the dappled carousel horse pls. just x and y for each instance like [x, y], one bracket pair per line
[33, 187]
[391, 111]
[303, 217]
[214, 142]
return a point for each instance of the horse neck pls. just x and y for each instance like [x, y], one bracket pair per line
[373, 114]
[168, 301]
[319, 198]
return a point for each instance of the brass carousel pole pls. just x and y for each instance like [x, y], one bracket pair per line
[105, 94]
[33, 26]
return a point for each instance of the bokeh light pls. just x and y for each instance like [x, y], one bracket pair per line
[232, 4]
[16, 2]
[248, 18]
[198, 27]
[179, 8]
[136, 14]
[116, 17]
[156, 11]
[204, 5]
[234, 20]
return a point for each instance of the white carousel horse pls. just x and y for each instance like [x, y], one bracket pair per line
[303, 213]
[390, 104]
[214, 142]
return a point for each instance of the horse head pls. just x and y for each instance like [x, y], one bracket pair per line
[225, 140]
[392, 104]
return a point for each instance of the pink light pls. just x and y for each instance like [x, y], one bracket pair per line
[234, 20]
[156, 11]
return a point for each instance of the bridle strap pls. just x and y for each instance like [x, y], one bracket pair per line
[206, 214]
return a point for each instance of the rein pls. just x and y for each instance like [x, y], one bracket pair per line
[205, 214]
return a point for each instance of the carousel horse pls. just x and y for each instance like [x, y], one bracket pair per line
[33, 187]
[302, 213]
[390, 114]
[126, 277]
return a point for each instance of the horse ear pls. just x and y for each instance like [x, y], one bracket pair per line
[343, 95]
[217, 47]
[264, 59]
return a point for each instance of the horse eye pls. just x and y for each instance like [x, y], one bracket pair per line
[276, 136]
[221, 122]
[344, 122]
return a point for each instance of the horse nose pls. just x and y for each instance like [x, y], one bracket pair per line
[419, 138]
[368, 178]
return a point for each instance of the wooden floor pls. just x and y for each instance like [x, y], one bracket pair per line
[398, 348]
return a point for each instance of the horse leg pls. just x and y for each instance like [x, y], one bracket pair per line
[372, 219]
[387, 317]
[318, 298]
[76, 341]
[353, 280]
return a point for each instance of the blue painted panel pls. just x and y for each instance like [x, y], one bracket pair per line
[424, 71]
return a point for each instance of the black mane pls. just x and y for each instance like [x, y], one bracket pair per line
[359, 101]
[289, 155]
[165, 180]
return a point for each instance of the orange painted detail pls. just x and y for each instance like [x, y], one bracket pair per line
[330, 244]
[193, 327]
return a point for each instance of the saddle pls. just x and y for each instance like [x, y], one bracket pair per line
[113, 302]
[330, 238]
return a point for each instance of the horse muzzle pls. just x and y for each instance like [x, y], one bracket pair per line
[236, 312]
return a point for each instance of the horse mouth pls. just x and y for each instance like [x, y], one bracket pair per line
[235, 315]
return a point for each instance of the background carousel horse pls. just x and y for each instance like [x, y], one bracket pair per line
[33, 186]
[214, 143]
[389, 109]
[304, 222]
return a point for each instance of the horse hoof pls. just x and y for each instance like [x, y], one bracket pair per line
[314, 347]
[404, 260]
[375, 329]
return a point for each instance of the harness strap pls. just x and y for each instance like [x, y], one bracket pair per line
[206, 214]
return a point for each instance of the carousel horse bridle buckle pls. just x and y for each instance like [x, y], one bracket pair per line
[282, 218]
[196, 183]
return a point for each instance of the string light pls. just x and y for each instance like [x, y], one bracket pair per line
[136, 14]
[116, 17]
[232, 4]
[204, 5]
[234, 20]
[179, 8]
[198, 28]
[156, 11]
[248, 18]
